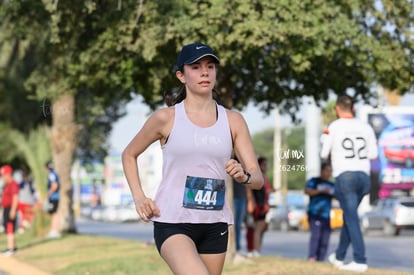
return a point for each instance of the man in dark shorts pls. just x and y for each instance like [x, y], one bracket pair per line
[9, 202]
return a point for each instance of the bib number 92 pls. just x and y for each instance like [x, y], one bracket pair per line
[355, 147]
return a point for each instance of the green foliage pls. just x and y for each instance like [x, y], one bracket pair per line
[281, 50]
[35, 149]
[274, 53]
[16, 109]
[6, 146]
[96, 120]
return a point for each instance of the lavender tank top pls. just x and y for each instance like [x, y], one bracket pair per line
[194, 182]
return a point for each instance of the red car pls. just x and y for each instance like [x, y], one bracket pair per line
[401, 154]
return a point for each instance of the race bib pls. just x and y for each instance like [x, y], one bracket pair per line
[204, 193]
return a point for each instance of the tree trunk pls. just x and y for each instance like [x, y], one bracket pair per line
[63, 139]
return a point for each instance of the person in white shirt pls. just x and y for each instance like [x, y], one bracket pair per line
[350, 144]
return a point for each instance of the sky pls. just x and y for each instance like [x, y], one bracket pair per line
[127, 127]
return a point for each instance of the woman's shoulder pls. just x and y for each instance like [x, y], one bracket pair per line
[161, 121]
[234, 116]
[164, 114]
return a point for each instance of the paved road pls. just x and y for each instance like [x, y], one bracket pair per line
[395, 253]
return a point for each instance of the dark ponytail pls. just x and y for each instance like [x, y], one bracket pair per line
[178, 95]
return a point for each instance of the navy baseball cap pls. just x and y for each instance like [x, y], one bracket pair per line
[191, 53]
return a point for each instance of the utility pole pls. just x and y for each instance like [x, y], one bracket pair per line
[312, 139]
[277, 147]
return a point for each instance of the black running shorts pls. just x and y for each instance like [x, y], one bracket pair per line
[9, 224]
[209, 238]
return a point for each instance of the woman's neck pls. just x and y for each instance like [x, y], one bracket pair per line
[199, 104]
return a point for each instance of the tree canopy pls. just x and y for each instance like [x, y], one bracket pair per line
[272, 53]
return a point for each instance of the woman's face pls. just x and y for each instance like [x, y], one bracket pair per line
[199, 77]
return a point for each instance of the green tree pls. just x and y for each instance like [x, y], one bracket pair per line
[95, 122]
[55, 42]
[35, 151]
[285, 50]
[17, 111]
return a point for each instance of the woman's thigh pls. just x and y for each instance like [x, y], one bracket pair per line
[214, 262]
[181, 255]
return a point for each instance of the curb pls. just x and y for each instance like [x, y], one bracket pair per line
[12, 266]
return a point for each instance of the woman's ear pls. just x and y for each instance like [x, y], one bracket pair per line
[180, 76]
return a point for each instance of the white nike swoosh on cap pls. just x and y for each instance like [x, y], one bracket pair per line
[200, 47]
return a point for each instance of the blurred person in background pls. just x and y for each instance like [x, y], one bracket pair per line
[259, 201]
[52, 197]
[27, 200]
[9, 202]
[240, 204]
[320, 190]
[250, 223]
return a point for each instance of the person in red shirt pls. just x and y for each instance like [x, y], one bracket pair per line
[9, 202]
